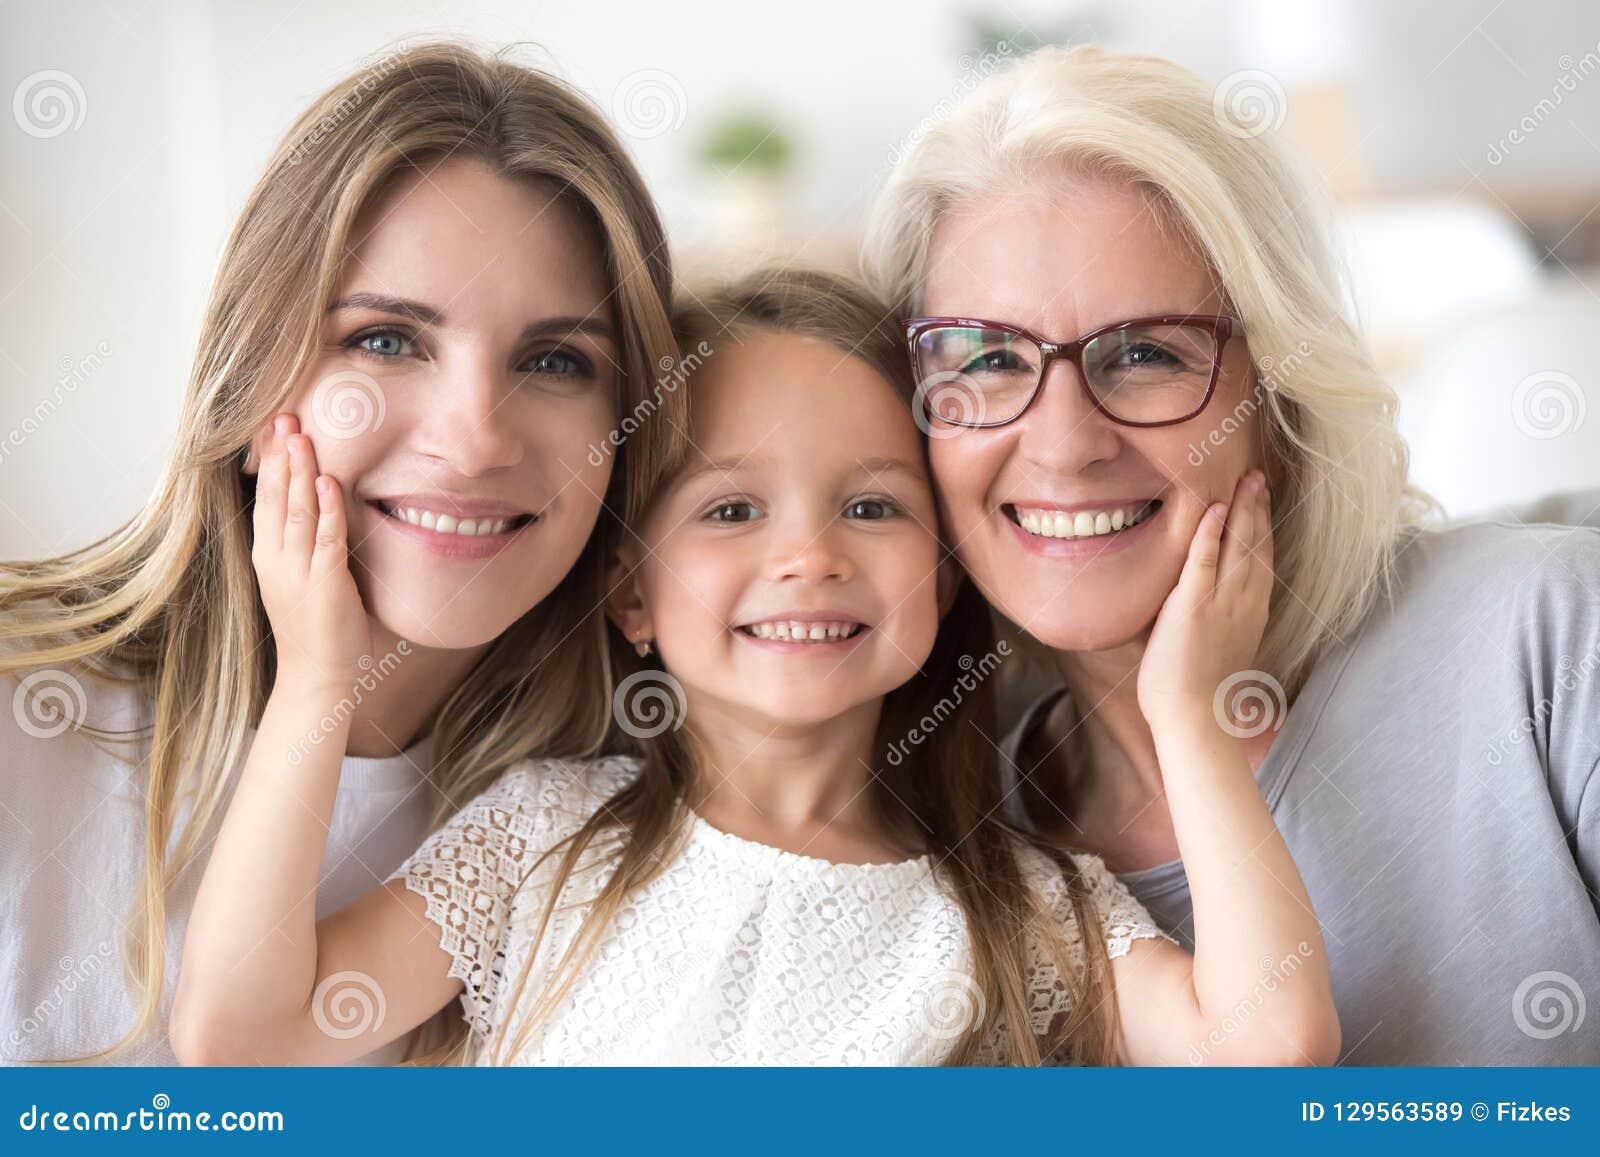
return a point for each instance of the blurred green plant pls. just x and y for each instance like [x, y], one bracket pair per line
[746, 141]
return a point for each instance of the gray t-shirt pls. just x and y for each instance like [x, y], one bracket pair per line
[1435, 780]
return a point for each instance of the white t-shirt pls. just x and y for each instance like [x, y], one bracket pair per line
[736, 953]
[72, 860]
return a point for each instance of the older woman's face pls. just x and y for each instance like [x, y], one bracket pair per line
[1061, 260]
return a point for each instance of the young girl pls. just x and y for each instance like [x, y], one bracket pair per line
[450, 283]
[799, 858]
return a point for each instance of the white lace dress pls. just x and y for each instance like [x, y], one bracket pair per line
[737, 953]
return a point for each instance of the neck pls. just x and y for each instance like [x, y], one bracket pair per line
[781, 775]
[407, 687]
[1104, 686]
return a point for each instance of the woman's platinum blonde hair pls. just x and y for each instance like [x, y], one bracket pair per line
[1336, 462]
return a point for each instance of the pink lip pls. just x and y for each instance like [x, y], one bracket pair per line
[1079, 548]
[452, 545]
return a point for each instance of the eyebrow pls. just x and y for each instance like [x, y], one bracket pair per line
[869, 466]
[425, 314]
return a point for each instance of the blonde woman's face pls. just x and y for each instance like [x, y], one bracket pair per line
[469, 364]
[1060, 261]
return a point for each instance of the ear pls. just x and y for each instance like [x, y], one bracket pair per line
[253, 449]
[948, 578]
[625, 605]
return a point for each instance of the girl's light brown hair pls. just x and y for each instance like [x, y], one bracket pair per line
[942, 797]
[168, 602]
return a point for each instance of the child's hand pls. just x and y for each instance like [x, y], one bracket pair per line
[319, 623]
[1210, 627]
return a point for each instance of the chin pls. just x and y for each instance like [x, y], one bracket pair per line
[456, 628]
[1075, 630]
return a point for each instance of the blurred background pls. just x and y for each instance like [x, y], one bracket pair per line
[1459, 142]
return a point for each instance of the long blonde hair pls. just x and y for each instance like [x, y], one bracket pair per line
[1337, 465]
[941, 797]
[168, 601]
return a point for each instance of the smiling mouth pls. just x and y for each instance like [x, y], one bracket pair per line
[440, 523]
[790, 631]
[1045, 522]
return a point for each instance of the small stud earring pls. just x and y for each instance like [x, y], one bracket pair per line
[641, 645]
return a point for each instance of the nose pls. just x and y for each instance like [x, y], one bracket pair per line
[1062, 430]
[466, 423]
[810, 551]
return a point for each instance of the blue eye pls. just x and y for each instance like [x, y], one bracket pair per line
[731, 512]
[383, 343]
[870, 509]
[560, 362]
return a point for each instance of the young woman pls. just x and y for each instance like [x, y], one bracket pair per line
[763, 882]
[449, 284]
[1422, 712]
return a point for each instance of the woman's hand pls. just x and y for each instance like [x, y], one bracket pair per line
[302, 564]
[1210, 627]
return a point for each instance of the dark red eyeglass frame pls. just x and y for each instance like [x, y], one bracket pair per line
[1219, 326]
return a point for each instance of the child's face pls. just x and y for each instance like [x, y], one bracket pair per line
[807, 510]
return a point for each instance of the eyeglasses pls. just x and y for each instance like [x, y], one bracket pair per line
[1150, 371]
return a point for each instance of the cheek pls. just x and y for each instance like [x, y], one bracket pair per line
[965, 467]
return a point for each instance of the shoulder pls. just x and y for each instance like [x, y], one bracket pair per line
[1121, 917]
[1498, 558]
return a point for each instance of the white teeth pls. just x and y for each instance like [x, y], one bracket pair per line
[1084, 523]
[449, 524]
[802, 632]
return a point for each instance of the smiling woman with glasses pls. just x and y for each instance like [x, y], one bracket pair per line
[1079, 249]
